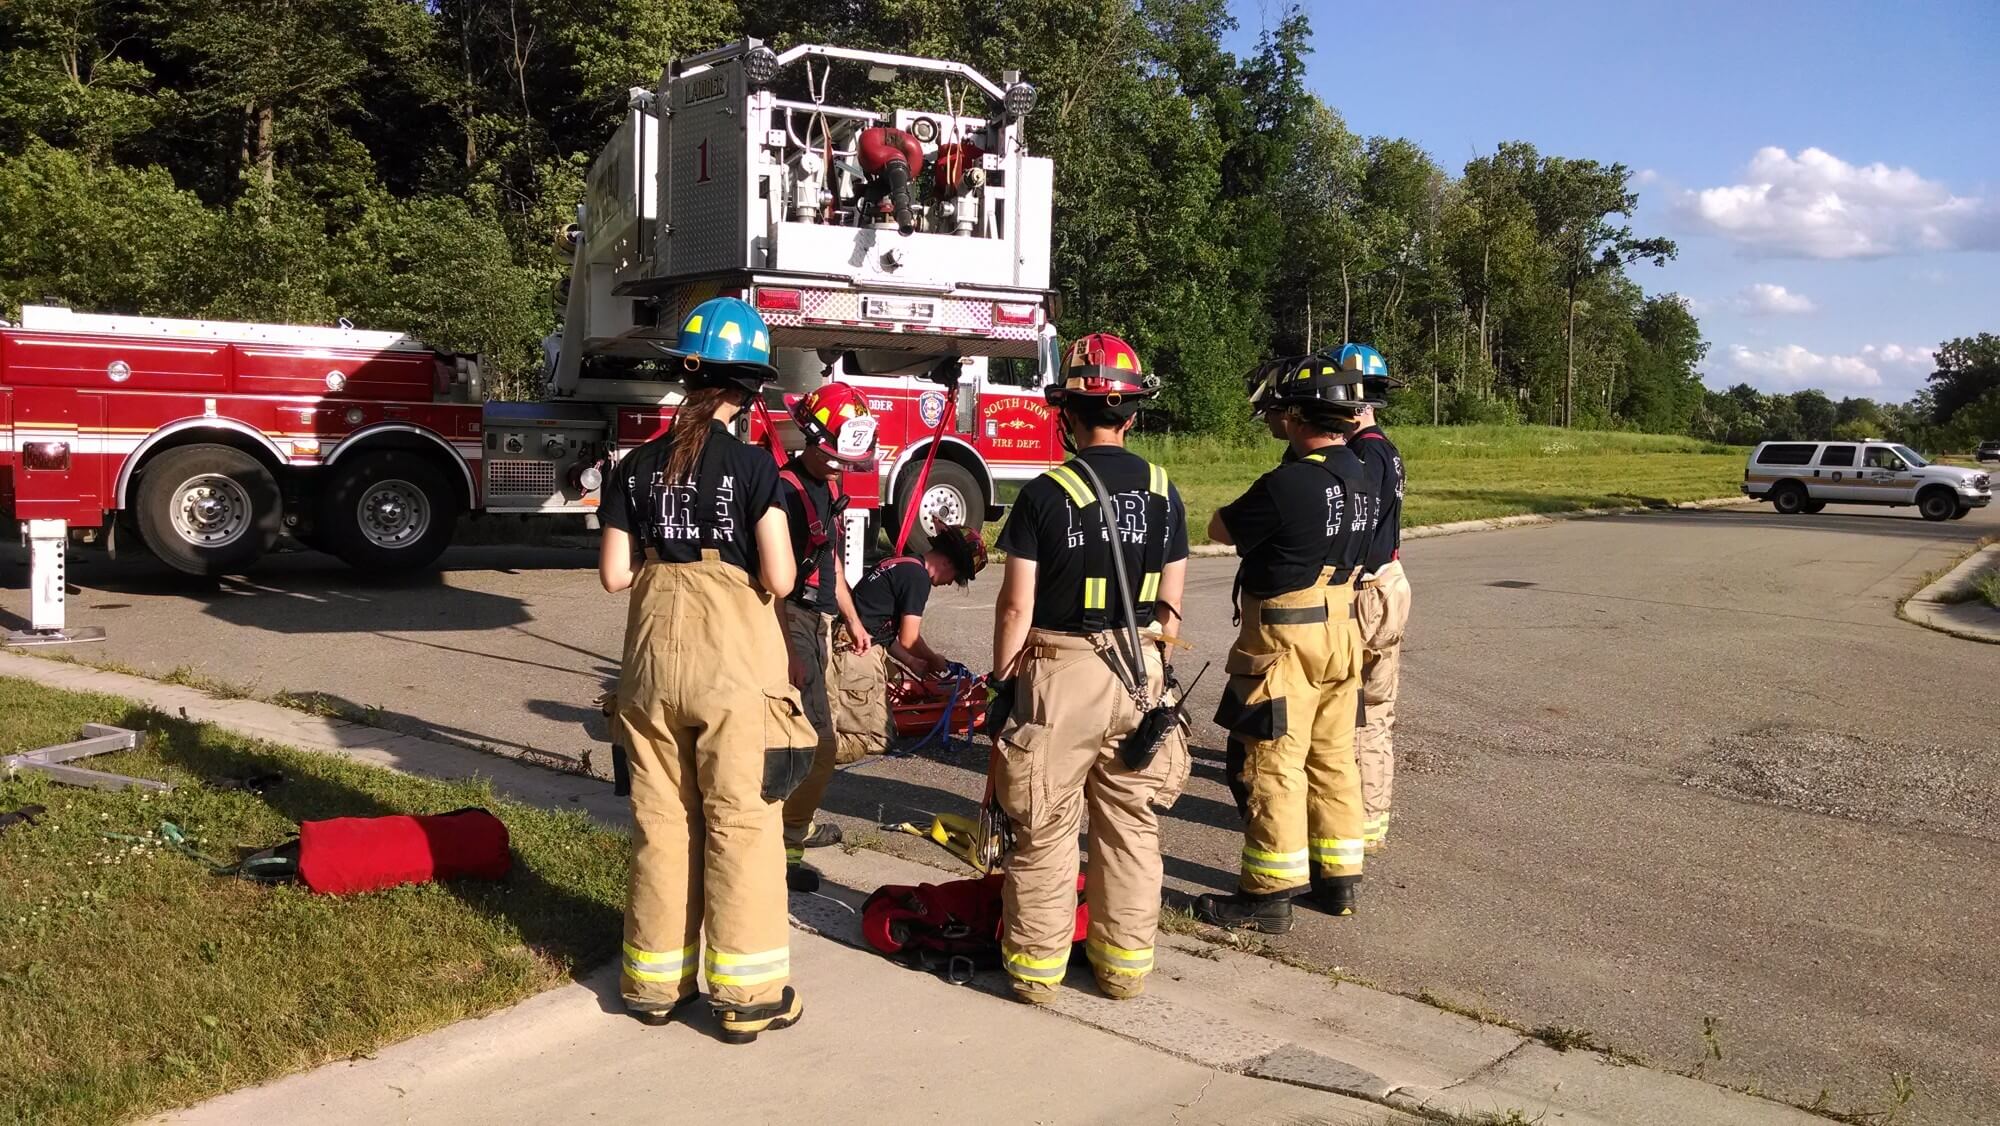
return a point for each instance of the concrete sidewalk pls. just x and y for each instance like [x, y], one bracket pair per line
[1221, 1036]
[1948, 606]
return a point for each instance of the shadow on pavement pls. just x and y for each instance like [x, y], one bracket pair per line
[1879, 522]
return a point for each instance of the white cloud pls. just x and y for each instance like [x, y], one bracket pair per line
[1816, 205]
[1766, 300]
[1792, 367]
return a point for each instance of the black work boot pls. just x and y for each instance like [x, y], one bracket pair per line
[1271, 914]
[658, 1017]
[822, 835]
[801, 877]
[741, 1026]
[1335, 894]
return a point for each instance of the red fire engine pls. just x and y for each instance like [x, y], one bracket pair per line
[882, 248]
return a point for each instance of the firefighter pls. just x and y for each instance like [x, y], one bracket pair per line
[1382, 606]
[890, 601]
[1295, 671]
[1065, 680]
[716, 735]
[839, 433]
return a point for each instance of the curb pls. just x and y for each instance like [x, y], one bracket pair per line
[1524, 520]
[1209, 1003]
[1937, 605]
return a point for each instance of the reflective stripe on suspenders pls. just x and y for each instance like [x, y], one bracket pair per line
[1097, 588]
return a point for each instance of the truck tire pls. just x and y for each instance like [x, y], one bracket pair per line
[1789, 498]
[208, 509]
[387, 512]
[1812, 506]
[951, 493]
[1964, 510]
[1937, 503]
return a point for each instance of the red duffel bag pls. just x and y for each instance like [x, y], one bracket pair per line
[345, 855]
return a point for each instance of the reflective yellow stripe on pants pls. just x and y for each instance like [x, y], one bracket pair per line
[1376, 829]
[745, 970]
[1336, 850]
[1278, 865]
[1039, 971]
[1118, 959]
[659, 965]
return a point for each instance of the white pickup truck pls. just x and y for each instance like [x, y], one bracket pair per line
[1807, 476]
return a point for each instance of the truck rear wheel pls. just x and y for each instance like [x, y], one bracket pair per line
[1937, 503]
[951, 495]
[387, 511]
[208, 509]
[1789, 498]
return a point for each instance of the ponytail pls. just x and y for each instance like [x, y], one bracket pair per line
[688, 436]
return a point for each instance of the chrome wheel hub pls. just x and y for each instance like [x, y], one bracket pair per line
[211, 510]
[393, 514]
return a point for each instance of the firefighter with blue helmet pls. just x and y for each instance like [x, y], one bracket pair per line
[1382, 604]
[715, 734]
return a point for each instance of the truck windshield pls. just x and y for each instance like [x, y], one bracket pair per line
[1915, 459]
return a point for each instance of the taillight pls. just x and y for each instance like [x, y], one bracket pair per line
[49, 457]
[780, 300]
[1013, 314]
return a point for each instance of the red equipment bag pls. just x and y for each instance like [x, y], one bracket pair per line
[354, 854]
[919, 705]
[955, 924]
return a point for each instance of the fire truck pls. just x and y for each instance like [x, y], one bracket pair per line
[922, 279]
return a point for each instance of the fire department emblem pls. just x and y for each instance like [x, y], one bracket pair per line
[930, 407]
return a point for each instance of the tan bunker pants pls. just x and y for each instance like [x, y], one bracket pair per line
[1294, 686]
[717, 738]
[859, 690]
[1058, 756]
[1382, 608]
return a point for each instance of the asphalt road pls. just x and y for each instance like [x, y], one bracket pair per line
[1656, 770]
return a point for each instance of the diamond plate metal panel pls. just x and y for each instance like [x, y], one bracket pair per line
[703, 167]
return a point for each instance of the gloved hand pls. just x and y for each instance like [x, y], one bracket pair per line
[999, 704]
[954, 670]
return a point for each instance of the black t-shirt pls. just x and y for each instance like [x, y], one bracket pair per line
[675, 520]
[890, 591]
[814, 587]
[1381, 456]
[1300, 517]
[1057, 523]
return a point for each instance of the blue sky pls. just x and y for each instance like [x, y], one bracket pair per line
[1831, 170]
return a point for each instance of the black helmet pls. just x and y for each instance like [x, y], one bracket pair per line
[1316, 386]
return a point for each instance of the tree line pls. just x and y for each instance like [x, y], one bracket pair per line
[405, 163]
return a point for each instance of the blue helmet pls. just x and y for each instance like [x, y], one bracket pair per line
[1370, 368]
[724, 340]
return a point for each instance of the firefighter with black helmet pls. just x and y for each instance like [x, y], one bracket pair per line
[839, 433]
[1071, 690]
[1295, 670]
[1382, 606]
[715, 733]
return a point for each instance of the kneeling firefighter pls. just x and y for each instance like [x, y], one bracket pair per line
[715, 734]
[1295, 671]
[839, 434]
[1096, 552]
[890, 601]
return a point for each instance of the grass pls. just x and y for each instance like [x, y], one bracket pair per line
[1480, 472]
[132, 980]
[1986, 588]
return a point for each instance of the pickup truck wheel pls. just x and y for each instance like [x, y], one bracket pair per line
[1963, 511]
[1812, 506]
[1937, 503]
[951, 495]
[387, 512]
[208, 509]
[1789, 498]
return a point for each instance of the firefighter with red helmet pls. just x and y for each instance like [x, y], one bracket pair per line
[715, 736]
[839, 433]
[889, 601]
[1289, 708]
[1069, 691]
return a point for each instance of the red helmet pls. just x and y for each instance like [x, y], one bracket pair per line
[965, 547]
[834, 419]
[1101, 366]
